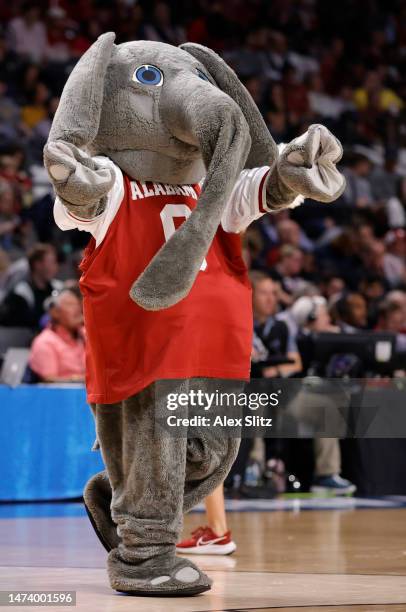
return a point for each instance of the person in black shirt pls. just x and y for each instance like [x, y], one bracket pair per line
[274, 354]
[310, 315]
[23, 306]
[274, 348]
[288, 272]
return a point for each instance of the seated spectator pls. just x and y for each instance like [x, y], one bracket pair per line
[277, 55]
[377, 260]
[10, 114]
[364, 233]
[350, 312]
[277, 125]
[23, 306]
[9, 221]
[36, 110]
[322, 104]
[372, 89]
[311, 315]
[398, 297]
[38, 137]
[373, 287]
[11, 273]
[289, 232]
[297, 102]
[273, 346]
[58, 36]
[133, 27]
[162, 28]
[386, 187]
[12, 170]
[27, 82]
[395, 242]
[287, 271]
[255, 86]
[333, 286]
[4, 267]
[329, 232]
[273, 343]
[58, 353]
[27, 34]
[358, 191]
[250, 58]
[391, 319]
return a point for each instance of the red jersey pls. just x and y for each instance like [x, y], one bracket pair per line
[207, 334]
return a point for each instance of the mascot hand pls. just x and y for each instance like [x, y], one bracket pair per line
[307, 165]
[77, 178]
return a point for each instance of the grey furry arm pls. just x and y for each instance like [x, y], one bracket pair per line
[278, 194]
[81, 182]
[306, 167]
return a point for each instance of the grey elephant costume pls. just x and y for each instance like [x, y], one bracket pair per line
[160, 120]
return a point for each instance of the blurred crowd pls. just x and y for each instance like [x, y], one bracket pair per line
[303, 61]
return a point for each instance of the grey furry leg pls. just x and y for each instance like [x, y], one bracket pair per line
[97, 493]
[147, 473]
[97, 500]
[203, 477]
[203, 462]
[211, 454]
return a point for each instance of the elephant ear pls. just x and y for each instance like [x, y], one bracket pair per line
[264, 150]
[78, 115]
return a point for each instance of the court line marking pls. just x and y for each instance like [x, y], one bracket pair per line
[319, 606]
[214, 571]
[228, 569]
[74, 509]
[338, 606]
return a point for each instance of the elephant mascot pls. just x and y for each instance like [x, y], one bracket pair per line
[160, 153]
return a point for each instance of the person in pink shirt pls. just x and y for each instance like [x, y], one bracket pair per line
[58, 352]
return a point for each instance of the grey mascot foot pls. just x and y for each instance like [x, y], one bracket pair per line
[97, 500]
[178, 578]
[173, 577]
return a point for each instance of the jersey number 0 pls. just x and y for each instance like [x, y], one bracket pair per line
[171, 212]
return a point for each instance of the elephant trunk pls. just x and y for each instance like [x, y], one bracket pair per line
[217, 126]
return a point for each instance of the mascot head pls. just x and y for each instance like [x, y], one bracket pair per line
[161, 113]
[171, 115]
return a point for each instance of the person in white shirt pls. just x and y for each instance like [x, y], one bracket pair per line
[27, 34]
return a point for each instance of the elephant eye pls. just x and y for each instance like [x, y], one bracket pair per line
[201, 74]
[148, 75]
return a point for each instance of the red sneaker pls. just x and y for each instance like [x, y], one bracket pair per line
[205, 542]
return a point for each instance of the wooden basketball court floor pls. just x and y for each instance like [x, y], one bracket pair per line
[347, 559]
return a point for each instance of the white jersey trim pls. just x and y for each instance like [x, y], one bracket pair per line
[97, 226]
[246, 204]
